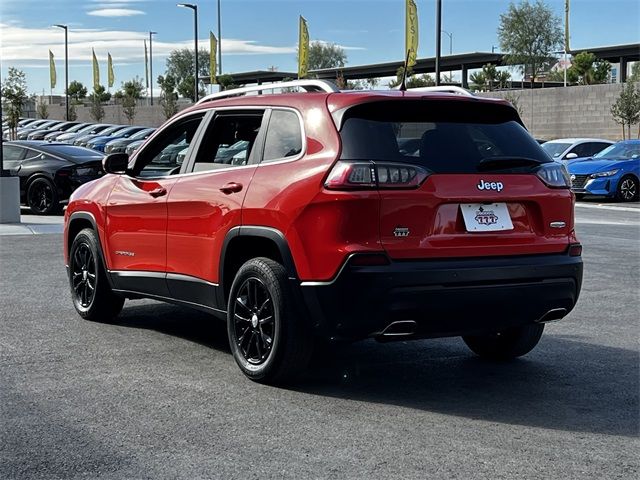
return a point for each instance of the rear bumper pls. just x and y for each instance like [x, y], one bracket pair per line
[444, 297]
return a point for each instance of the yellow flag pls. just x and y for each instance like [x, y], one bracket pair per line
[110, 76]
[411, 33]
[146, 66]
[96, 71]
[213, 48]
[566, 26]
[52, 70]
[303, 49]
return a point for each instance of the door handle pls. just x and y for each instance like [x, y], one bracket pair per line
[158, 192]
[231, 187]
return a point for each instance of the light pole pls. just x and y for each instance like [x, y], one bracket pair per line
[219, 43]
[438, 35]
[450, 35]
[195, 33]
[66, 67]
[151, 34]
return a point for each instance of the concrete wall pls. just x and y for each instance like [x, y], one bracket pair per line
[581, 111]
[147, 115]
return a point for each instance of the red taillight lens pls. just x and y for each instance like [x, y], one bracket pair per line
[575, 250]
[371, 175]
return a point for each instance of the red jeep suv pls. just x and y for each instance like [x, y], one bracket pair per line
[334, 215]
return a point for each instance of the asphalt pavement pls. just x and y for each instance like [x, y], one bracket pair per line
[158, 395]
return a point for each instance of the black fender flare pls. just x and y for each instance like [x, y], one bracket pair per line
[91, 219]
[275, 235]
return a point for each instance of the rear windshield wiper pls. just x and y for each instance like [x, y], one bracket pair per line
[503, 162]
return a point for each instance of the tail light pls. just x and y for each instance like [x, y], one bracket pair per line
[554, 175]
[575, 250]
[372, 175]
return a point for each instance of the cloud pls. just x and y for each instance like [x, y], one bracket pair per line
[23, 46]
[115, 12]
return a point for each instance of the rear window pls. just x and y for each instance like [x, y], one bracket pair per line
[72, 151]
[436, 136]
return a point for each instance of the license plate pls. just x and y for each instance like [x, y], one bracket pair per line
[486, 217]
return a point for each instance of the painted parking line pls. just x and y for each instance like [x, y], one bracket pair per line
[608, 207]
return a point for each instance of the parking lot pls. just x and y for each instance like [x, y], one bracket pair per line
[158, 395]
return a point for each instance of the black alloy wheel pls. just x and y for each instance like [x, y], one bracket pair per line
[83, 275]
[92, 296]
[42, 197]
[628, 189]
[254, 321]
[269, 337]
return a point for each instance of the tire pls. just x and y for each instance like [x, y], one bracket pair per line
[269, 340]
[92, 296]
[42, 197]
[628, 189]
[506, 345]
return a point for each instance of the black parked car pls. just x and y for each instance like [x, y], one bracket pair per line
[49, 172]
[61, 127]
[47, 127]
[120, 144]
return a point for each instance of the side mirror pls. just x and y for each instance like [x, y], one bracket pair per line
[570, 156]
[115, 163]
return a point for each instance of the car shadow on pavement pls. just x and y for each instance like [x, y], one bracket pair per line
[566, 383]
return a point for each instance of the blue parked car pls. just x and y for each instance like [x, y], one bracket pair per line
[98, 143]
[613, 173]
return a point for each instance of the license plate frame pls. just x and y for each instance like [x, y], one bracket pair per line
[486, 217]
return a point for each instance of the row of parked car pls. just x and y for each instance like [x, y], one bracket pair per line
[53, 157]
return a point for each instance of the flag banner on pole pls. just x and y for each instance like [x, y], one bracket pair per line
[110, 76]
[52, 70]
[213, 48]
[96, 71]
[411, 33]
[146, 65]
[566, 26]
[303, 49]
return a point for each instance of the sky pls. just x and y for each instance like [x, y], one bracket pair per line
[258, 34]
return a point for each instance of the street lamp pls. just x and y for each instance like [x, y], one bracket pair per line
[66, 67]
[151, 34]
[195, 38]
[450, 35]
[438, 35]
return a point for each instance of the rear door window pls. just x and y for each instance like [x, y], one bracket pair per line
[284, 136]
[447, 145]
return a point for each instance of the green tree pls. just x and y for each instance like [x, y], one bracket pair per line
[73, 114]
[181, 64]
[102, 94]
[412, 81]
[626, 109]
[635, 73]
[14, 93]
[133, 88]
[586, 69]
[129, 94]
[489, 78]
[76, 91]
[529, 34]
[168, 97]
[42, 108]
[326, 55]
[96, 110]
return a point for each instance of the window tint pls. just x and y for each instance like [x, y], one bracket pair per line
[583, 150]
[229, 141]
[441, 147]
[284, 138]
[12, 152]
[168, 150]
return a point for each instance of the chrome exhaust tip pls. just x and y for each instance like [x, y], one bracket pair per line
[553, 315]
[397, 330]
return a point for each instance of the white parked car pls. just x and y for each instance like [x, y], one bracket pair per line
[570, 148]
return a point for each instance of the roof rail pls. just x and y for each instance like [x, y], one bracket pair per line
[443, 88]
[308, 85]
